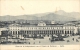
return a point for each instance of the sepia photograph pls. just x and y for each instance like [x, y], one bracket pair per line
[40, 22]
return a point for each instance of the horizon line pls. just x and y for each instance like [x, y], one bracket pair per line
[39, 13]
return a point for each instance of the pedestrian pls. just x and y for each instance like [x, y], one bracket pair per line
[29, 42]
[73, 39]
[39, 42]
[68, 41]
[77, 40]
[49, 38]
[34, 43]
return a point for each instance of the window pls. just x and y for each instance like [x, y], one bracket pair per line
[25, 31]
[68, 32]
[65, 32]
[13, 32]
[62, 31]
[43, 28]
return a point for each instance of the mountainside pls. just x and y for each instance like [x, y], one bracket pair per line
[75, 15]
[58, 16]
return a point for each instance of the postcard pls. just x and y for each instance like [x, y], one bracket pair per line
[39, 24]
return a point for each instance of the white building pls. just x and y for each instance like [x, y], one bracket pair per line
[42, 29]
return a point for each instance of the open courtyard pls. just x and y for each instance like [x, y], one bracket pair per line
[46, 41]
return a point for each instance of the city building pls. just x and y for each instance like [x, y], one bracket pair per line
[40, 30]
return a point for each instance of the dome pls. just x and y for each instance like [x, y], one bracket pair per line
[41, 23]
[53, 22]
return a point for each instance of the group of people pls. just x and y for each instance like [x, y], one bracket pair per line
[73, 40]
[34, 42]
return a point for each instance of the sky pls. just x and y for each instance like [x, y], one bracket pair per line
[21, 7]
